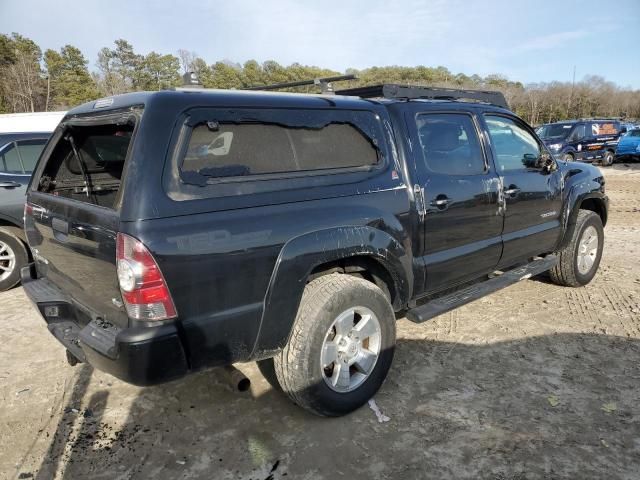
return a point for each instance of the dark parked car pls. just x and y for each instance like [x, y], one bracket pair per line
[179, 230]
[19, 153]
[586, 140]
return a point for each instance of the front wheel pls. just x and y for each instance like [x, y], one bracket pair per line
[608, 159]
[341, 345]
[578, 262]
[568, 157]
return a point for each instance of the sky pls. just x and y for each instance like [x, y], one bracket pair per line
[527, 41]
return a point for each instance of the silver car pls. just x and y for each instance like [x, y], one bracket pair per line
[19, 154]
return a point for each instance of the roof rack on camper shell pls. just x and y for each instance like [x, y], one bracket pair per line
[395, 91]
[390, 90]
[409, 92]
[323, 83]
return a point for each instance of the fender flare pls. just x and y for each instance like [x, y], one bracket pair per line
[575, 198]
[302, 254]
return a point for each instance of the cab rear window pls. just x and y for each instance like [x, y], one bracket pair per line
[87, 164]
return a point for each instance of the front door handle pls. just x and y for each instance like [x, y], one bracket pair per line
[512, 190]
[441, 202]
[10, 184]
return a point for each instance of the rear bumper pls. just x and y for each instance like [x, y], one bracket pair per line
[141, 355]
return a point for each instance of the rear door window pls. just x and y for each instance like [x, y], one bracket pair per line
[30, 151]
[10, 161]
[450, 144]
[87, 163]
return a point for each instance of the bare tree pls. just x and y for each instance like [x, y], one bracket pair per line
[23, 85]
[186, 60]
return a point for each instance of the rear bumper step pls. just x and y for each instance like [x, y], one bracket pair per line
[456, 299]
[141, 355]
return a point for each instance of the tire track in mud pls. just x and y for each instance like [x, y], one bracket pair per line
[625, 310]
[488, 320]
[580, 303]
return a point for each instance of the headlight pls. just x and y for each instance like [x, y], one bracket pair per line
[555, 146]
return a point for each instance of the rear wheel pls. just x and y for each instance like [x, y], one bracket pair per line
[268, 371]
[341, 346]
[608, 158]
[578, 262]
[13, 256]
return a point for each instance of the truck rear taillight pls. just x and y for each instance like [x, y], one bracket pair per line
[144, 290]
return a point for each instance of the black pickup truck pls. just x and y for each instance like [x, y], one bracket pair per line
[178, 230]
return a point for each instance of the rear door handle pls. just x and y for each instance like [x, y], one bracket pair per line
[61, 226]
[60, 229]
[10, 184]
[512, 190]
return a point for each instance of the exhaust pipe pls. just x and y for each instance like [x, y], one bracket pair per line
[237, 379]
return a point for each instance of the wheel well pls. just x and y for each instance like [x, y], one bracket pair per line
[16, 231]
[12, 228]
[596, 206]
[365, 267]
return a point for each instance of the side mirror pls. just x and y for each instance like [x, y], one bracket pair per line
[530, 160]
[546, 163]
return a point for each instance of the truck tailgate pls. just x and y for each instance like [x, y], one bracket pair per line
[74, 246]
[72, 215]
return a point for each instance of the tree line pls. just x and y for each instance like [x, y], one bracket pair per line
[32, 81]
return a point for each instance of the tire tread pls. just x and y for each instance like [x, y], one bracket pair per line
[291, 364]
[564, 272]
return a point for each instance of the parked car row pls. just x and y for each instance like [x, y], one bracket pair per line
[586, 140]
[22, 138]
[591, 140]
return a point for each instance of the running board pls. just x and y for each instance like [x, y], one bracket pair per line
[456, 299]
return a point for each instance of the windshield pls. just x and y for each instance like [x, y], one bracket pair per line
[633, 133]
[553, 130]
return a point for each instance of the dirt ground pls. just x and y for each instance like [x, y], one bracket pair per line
[535, 381]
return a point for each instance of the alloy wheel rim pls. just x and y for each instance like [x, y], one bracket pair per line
[7, 261]
[587, 250]
[350, 349]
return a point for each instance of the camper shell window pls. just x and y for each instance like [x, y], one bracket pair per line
[87, 163]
